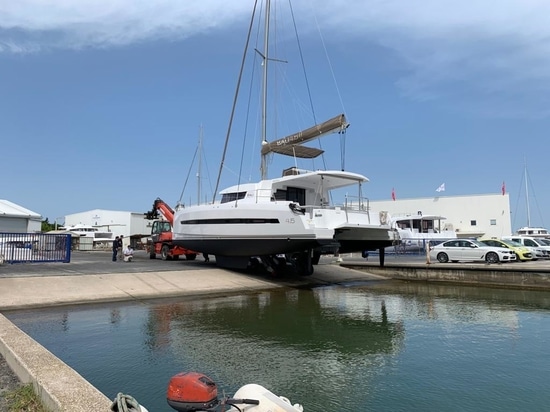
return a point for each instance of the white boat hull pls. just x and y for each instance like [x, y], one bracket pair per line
[268, 401]
[247, 229]
[250, 229]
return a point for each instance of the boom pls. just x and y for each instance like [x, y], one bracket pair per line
[165, 210]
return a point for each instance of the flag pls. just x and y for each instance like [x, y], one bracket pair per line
[392, 194]
[503, 188]
[441, 188]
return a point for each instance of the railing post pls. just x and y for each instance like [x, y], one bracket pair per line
[68, 243]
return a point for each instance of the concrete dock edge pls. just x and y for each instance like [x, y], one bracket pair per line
[59, 387]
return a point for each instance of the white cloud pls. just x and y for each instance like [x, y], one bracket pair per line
[494, 48]
[498, 50]
[103, 23]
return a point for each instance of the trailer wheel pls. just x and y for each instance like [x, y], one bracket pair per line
[165, 252]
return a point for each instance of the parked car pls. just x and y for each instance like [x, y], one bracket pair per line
[18, 250]
[523, 253]
[470, 250]
[539, 249]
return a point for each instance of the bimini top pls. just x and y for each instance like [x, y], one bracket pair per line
[328, 179]
[292, 145]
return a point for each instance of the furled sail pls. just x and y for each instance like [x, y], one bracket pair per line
[292, 145]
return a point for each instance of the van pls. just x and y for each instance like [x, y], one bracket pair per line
[539, 249]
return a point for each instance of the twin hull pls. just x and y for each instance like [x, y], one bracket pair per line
[271, 228]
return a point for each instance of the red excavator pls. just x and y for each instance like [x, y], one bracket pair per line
[161, 234]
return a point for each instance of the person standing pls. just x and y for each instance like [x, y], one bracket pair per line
[120, 245]
[115, 248]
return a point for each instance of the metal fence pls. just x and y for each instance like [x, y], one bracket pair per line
[34, 248]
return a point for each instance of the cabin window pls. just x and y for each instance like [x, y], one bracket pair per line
[280, 194]
[473, 223]
[493, 222]
[296, 194]
[231, 197]
[427, 226]
[161, 227]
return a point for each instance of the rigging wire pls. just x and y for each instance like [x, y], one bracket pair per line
[201, 156]
[231, 117]
[188, 174]
[207, 173]
[305, 76]
[249, 105]
[258, 10]
[343, 133]
[526, 179]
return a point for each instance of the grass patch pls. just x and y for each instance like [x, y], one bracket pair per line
[23, 399]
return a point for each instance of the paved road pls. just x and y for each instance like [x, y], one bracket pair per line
[98, 262]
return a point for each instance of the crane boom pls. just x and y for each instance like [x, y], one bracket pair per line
[166, 211]
[161, 233]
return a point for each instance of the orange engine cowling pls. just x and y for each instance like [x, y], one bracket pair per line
[191, 391]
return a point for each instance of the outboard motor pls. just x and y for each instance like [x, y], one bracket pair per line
[195, 392]
[192, 391]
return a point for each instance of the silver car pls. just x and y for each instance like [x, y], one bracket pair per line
[470, 250]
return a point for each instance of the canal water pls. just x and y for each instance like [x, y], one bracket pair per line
[357, 347]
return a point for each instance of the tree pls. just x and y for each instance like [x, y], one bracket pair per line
[47, 226]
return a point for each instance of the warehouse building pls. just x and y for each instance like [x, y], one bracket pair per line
[469, 216]
[131, 225]
[17, 219]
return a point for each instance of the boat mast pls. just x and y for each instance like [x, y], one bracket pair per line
[199, 167]
[527, 198]
[263, 165]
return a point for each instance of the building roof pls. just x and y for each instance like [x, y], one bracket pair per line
[10, 209]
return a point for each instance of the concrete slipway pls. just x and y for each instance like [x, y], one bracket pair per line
[93, 277]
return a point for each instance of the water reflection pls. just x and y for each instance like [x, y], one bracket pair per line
[302, 319]
[376, 346]
[280, 340]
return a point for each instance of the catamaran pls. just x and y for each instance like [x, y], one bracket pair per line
[287, 221]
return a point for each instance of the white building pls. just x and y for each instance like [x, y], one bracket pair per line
[123, 223]
[469, 216]
[17, 219]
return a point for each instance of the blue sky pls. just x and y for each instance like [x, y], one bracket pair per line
[102, 102]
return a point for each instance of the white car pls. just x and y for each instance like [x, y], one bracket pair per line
[470, 250]
[16, 250]
[539, 247]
